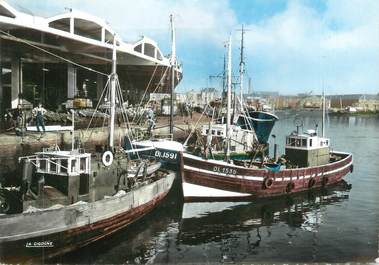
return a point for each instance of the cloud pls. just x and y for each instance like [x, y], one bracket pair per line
[300, 48]
[295, 49]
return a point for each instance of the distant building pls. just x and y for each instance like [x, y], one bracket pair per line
[364, 101]
[368, 103]
[287, 102]
[208, 95]
[158, 96]
[203, 97]
[192, 97]
[313, 102]
[180, 97]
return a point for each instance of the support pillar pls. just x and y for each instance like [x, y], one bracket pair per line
[1, 91]
[15, 87]
[71, 81]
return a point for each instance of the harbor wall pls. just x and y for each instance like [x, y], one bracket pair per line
[12, 147]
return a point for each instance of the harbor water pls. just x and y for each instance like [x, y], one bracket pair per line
[339, 224]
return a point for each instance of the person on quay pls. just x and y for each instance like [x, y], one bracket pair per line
[150, 126]
[39, 112]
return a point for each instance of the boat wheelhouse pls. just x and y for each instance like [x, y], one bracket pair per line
[307, 149]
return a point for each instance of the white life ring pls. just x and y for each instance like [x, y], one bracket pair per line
[107, 158]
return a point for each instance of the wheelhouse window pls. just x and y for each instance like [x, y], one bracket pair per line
[292, 141]
[53, 165]
[310, 142]
[64, 165]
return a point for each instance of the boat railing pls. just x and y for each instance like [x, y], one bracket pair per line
[168, 136]
[51, 148]
[60, 165]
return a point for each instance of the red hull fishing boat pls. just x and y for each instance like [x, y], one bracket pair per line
[308, 163]
[206, 179]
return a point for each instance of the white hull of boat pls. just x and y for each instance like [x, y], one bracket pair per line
[197, 191]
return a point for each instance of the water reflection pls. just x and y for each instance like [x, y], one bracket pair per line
[212, 232]
[241, 228]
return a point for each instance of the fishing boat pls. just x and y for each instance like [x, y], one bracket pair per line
[67, 199]
[249, 125]
[308, 163]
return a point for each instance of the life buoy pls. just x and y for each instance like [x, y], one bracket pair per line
[290, 187]
[268, 182]
[107, 158]
[311, 182]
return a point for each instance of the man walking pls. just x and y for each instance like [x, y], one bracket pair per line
[150, 126]
[38, 112]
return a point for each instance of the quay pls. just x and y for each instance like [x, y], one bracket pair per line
[13, 146]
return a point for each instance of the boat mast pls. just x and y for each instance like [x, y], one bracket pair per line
[228, 96]
[250, 87]
[242, 70]
[323, 113]
[113, 95]
[72, 130]
[172, 62]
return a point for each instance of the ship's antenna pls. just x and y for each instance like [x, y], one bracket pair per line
[172, 62]
[113, 95]
[228, 96]
[323, 105]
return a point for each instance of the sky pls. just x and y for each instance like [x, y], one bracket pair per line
[291, 46]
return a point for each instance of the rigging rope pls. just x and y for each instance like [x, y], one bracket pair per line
[156, 87]
[194, 128]
[97, 106]
[148, 85]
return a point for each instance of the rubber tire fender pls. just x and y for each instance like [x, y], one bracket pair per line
[268, 182]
